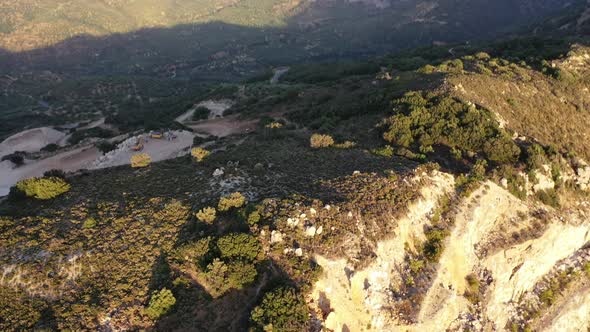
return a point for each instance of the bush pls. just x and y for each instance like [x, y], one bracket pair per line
[421, 120]
[55, 173]
[50, 147]
[234, 200]
[321, 141]
[386, 151]
[206, 215]
[16, 158]
[140, 160]
[160, 304]
[195, 251]
[434, 243]
[549, 197]
[200, 154]
[222, 276]
[105, 146]
[201, 113]
[89, 223]
[253, 218]
[283, 309]
[43, 188]
[243, 246]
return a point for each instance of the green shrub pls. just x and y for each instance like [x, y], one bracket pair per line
[200, 154]
[160, 304]
[234, 200]
[194, 251]
[254, 218]
[89, 223]
[434, 243]
[43, 188]
[222, 276]
[52, 147]
[321, 141]
[547, 297]
[472, 291]
[16, 158]
[386, 151]
[206, 215]
[201, 113]
[421, 120]
[549, 197]
[283, 309]
[239, 245]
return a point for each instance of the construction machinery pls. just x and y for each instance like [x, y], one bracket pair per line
[138, 145]
[156, 134]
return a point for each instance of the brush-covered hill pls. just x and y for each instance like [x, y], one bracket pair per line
[422, 191]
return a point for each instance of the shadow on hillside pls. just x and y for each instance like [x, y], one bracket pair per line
[222, 51]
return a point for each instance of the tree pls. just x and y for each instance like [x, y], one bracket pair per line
[321, 141]
[200, 154]
[239, 245]
[43, 188]
[206, 215]
[160, 304]
[284, 309]
[234, 200]
[140, 160]
[16, 158]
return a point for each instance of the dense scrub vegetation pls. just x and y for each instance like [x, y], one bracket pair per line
[422, 121]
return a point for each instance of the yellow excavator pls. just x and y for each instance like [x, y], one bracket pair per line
[138, 145]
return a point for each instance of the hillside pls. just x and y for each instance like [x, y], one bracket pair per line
[419, 192]
[294, 165]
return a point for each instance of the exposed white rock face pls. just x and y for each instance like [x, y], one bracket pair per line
[276, 237]
[504, 183]
[544, 180]
[583, 175]
[480, 243]
[312, 211]
[292, 222]
[298, 252]
[218, 172]
[310, 231]
[320, 230]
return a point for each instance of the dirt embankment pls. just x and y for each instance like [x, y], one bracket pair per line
[354, 300]
[508, 270]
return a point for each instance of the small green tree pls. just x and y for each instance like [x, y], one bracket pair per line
[239, 245]
[43, 188]
[89, 223]
[206, 215]
[161, 303]
[234, 200]
[283, 308]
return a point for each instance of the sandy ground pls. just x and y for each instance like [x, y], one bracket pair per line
[68, 161]
[89, 157]
[158, 149]
[30, 140]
